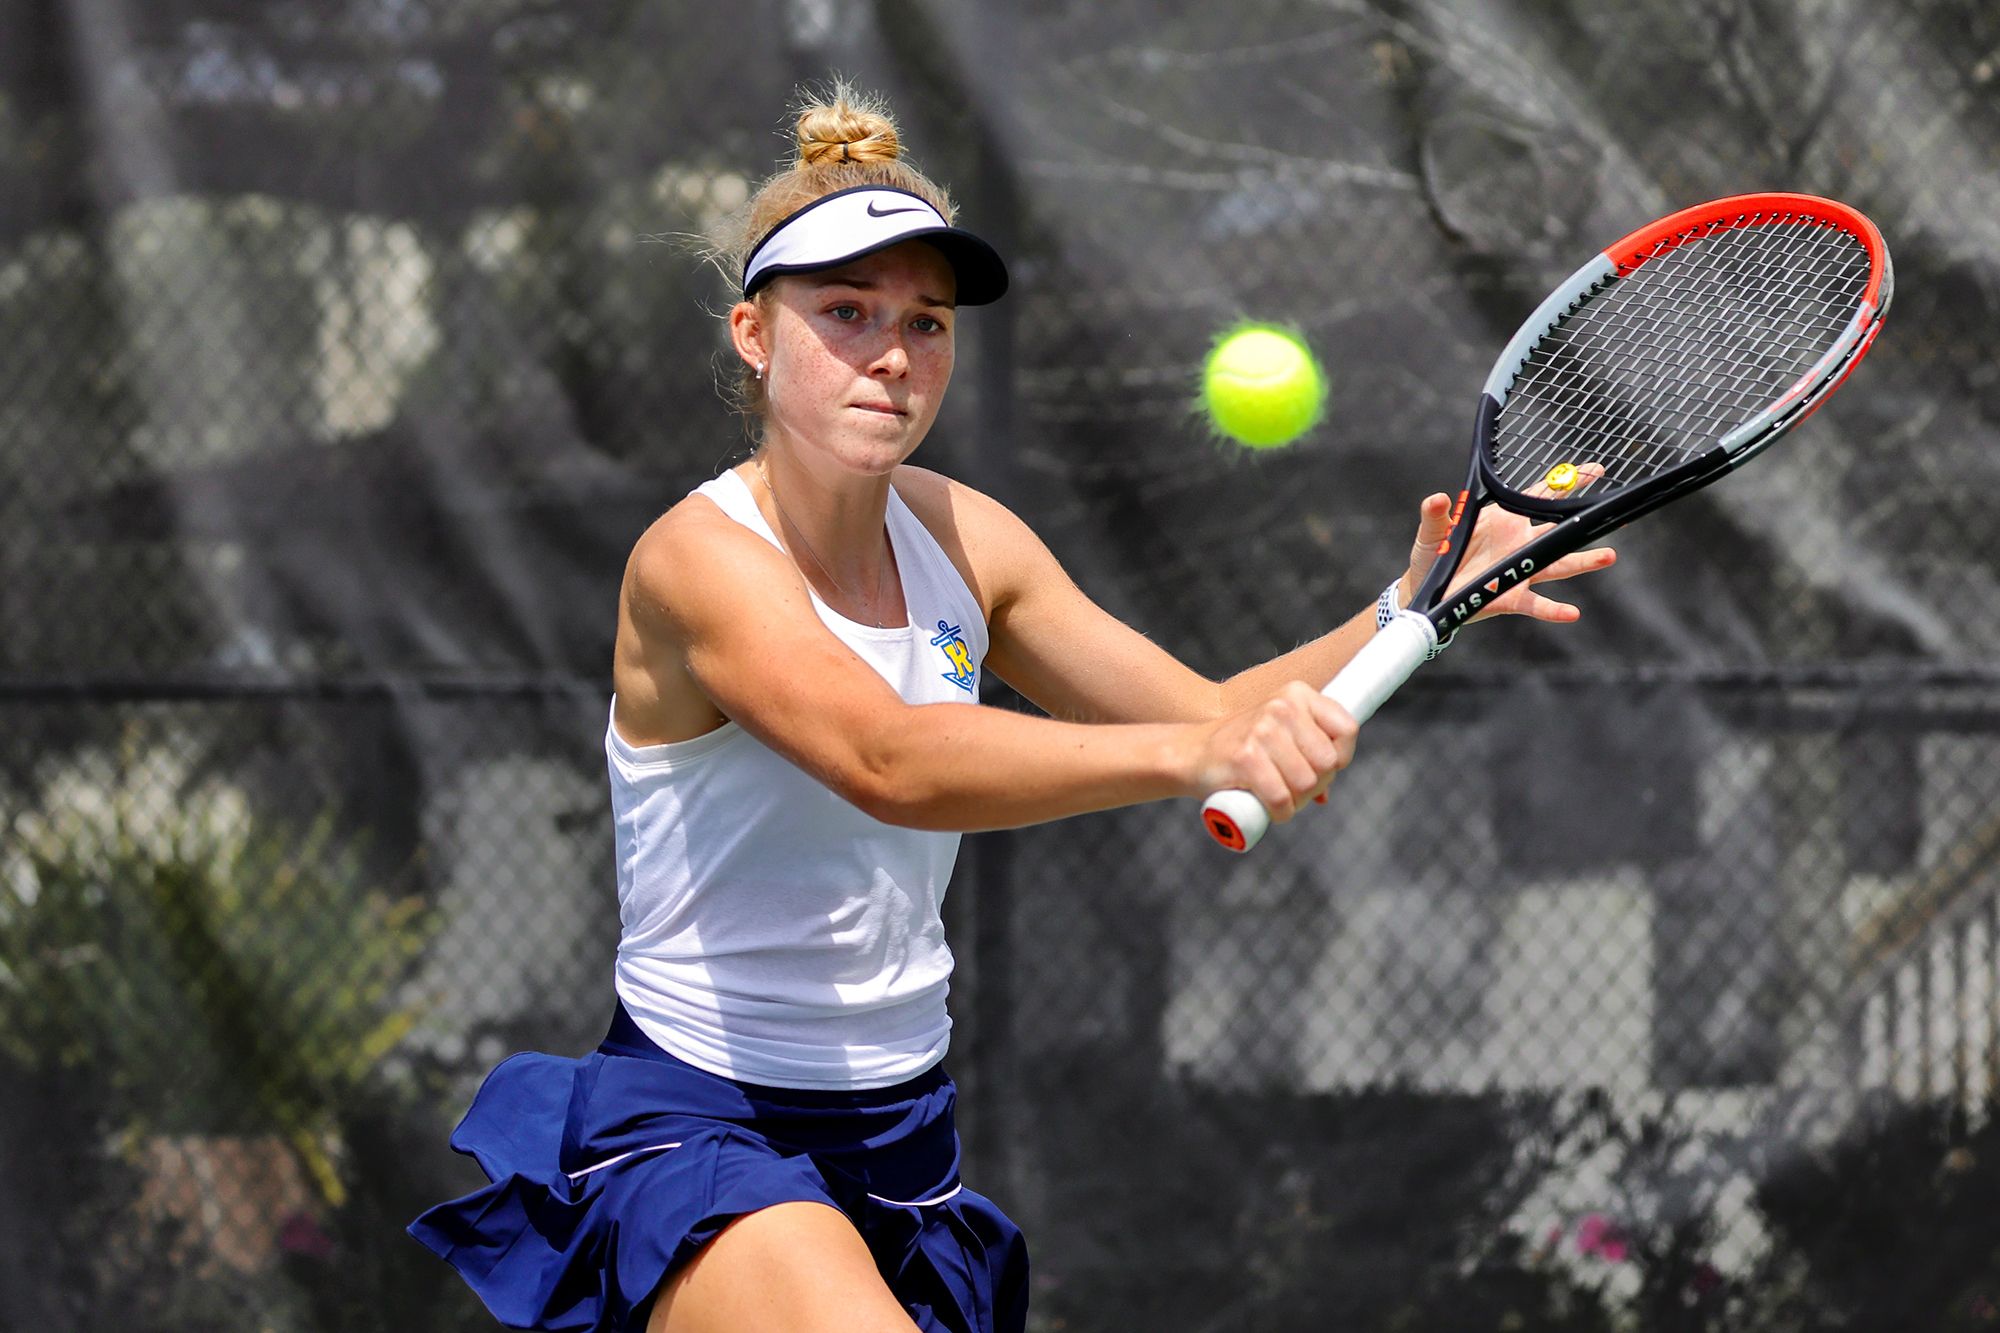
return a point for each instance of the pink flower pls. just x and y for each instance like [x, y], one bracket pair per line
[1598, 1235]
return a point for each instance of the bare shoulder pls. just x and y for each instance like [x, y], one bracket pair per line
[989, 543]
[934, 496]
[685, 554]
[688, 572]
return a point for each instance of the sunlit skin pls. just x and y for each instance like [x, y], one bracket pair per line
[713, 627]
[855, 362]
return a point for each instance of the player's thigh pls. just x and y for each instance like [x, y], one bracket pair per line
[790, 1268]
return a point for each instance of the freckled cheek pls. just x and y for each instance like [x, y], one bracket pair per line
[809, 381]
[935, 364]
[822, 360]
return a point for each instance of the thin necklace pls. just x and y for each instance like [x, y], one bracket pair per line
[824, 568]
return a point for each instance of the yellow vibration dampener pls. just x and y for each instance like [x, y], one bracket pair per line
[1561, 477]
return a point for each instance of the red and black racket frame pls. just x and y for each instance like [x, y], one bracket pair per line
[1580, 520]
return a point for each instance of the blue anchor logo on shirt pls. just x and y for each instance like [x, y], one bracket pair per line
[948, 640]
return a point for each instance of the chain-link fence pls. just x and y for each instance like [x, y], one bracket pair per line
[1644, 974]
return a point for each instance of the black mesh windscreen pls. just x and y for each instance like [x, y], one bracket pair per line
[1641, 973]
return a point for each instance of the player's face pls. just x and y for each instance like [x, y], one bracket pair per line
[859, 355]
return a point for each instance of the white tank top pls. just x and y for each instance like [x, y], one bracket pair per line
[772, 932]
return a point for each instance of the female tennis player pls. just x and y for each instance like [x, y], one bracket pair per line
[764, 1140]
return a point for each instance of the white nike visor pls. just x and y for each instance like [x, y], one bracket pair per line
[841, 227]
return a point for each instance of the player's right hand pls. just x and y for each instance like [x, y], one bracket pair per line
[1284, 751]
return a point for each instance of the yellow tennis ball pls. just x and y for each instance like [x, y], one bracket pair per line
[1261, 386]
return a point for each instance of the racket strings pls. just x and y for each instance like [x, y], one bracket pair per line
[1656, 366]
[1637, 348]
[1641, 345]
[1792, 292]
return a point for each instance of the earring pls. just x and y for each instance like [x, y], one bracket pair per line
[760, 370]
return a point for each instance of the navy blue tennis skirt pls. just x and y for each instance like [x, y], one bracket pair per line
[611, 1171]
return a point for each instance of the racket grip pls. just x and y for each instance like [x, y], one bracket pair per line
[1237, 819]
[1383, 664]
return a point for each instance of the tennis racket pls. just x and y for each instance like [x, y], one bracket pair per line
[1668, 361]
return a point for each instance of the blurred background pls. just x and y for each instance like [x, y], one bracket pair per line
[347, 345]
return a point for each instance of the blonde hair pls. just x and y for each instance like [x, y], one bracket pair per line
[843, 138]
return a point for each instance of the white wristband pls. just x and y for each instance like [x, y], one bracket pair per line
[1389, 604]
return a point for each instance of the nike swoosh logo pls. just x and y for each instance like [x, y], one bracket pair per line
[875, 212]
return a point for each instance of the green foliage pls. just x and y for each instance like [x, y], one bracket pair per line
[215, 977]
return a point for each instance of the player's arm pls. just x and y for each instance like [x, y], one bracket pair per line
[704, 591]
[1047, 639]
[1073, 659]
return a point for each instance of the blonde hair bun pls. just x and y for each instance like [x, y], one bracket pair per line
[846, 126]
[846, 138]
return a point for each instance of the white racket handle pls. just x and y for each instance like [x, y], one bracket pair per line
[1237, 819]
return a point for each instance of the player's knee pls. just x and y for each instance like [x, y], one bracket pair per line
[791, 1268]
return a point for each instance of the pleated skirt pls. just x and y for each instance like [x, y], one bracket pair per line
[611, 1171]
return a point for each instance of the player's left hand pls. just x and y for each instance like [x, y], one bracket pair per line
[1497, 534]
